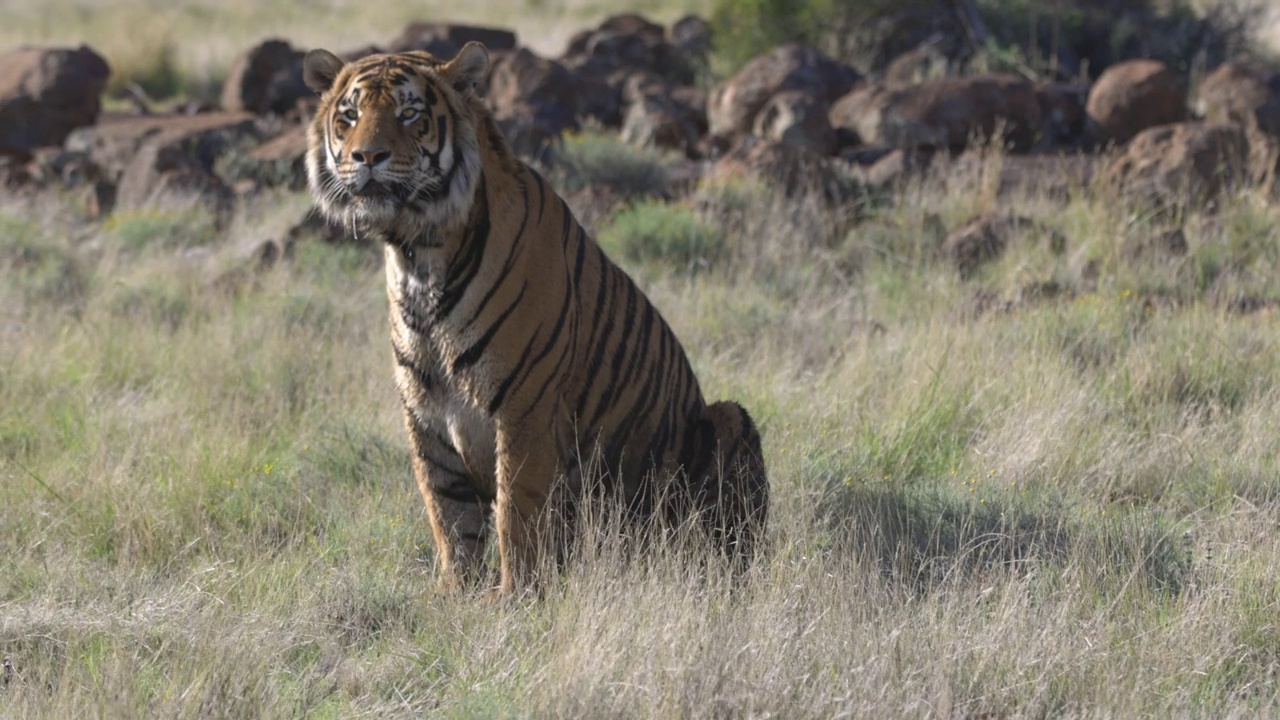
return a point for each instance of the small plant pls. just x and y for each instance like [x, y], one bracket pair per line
[598, 158]
[657, 232]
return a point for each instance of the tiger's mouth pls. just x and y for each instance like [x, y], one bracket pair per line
[371, 190]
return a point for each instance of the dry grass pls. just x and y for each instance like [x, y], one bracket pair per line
[1063, 509]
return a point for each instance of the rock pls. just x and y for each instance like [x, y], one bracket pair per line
[265, 80]
[797, 118]
[926, 61]
[47, 93]
[982, 240]
[603, 59]
[691, 35]
[658, 120]
[944, 114]
[1189, 162]
[1132, 96]
[1239, 94]
[733, 105]
[444, 40]
[537, 95]
[791, 169]
[621, 24]
[278, 162]
[1062, 114]
[150, 158]
[897, 166]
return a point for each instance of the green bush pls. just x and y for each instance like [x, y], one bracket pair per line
[1088, 35]
[656, 232]
[596, 157]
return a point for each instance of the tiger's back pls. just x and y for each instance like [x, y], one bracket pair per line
[520, 348]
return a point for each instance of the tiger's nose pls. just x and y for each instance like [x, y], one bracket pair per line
[370, 156]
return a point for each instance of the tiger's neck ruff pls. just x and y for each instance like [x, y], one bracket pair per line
[384, 160]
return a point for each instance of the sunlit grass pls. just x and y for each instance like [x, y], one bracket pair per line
[1056, 506]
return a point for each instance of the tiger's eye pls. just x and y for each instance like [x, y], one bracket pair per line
[408, 115]
[350, 115]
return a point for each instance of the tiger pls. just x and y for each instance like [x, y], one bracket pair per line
[519, 347]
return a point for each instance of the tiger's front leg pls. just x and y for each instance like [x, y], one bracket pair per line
[456, 506]
[528, 468]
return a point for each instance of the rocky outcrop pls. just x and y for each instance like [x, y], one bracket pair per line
[1239, 94]
[151, 158]
[1181, 163]
[733, 105]
[266, 79]
[47, 93]
[444, 40]
[948, 113]
[796, 118]
[1132, 96]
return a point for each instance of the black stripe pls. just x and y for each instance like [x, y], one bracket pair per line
[507, 264]
[460, 275]
[600, 343]
[505, 385]
[542, 194]
[406, 362]
[461, 489]
[546, 350]
[637, 355]
[473, 353]
[629, 320]
[551, 378]
[412, 317]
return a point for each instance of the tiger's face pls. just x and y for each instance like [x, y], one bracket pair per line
[393, 141]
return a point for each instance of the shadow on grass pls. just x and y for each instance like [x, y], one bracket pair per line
[932, 538]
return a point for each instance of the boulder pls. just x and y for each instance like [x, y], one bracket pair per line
[1239, 94]
[47, 93]
[691, 35]
[267, 79]
[444, 40]
[617, 36]
[278, 162]
[150, 158]
[1062, 113]
[1132, 96]
[533, 96]
[947, 113]
[791, 169]
[602, 59]
[1190, 162]
[797, 118]
[926, 61]
[985, 238]
[658, 116]
[733, 105]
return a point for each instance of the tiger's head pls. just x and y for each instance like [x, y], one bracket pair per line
[393, 143]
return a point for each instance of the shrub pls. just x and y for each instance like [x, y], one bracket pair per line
[595, 157]
[1087, 35]
[657, 232]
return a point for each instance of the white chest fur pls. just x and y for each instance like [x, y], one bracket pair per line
[434, 396]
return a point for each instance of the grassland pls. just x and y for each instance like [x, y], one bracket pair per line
[1064, 506]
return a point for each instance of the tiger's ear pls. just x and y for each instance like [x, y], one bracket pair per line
[319, 68]
[467, 69]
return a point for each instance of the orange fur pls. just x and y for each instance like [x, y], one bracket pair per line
[518, 343]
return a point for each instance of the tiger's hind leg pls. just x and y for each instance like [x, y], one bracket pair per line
[728, 483]
[457, 508]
